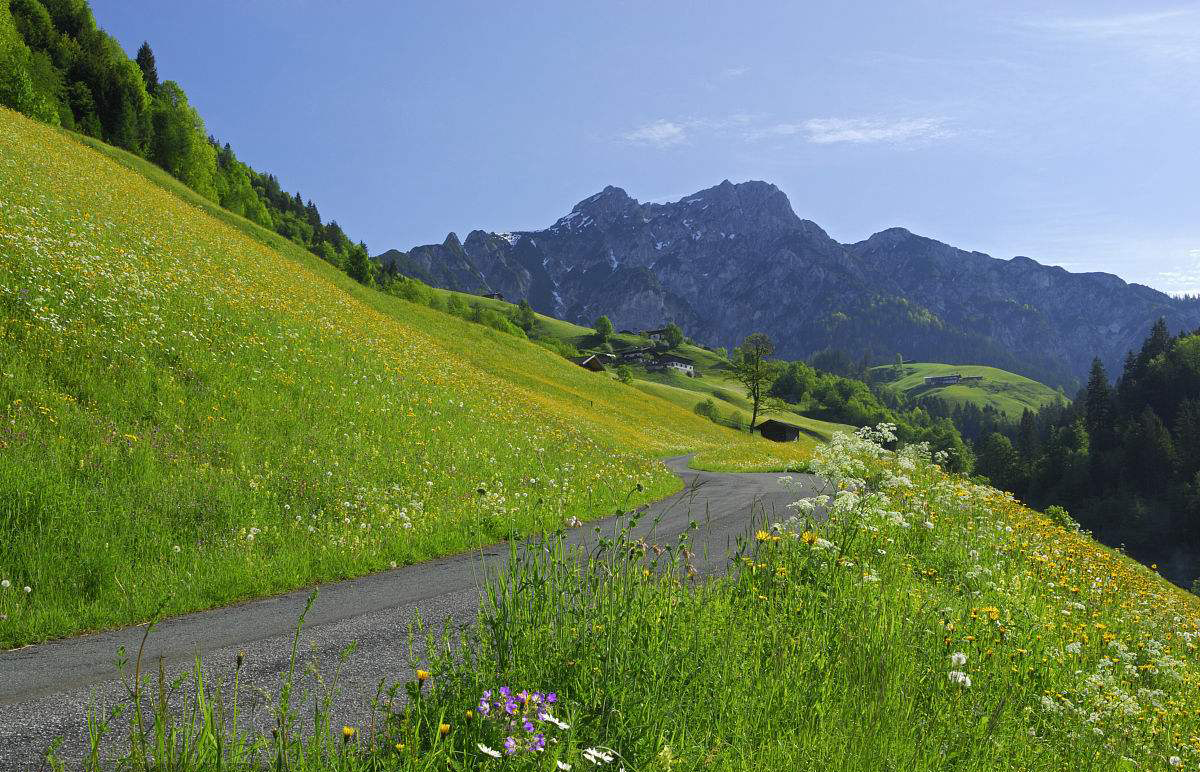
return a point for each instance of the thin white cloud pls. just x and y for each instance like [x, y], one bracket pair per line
[1183, 280]
[749, 127]
[729, 73]
[827, 131]
[660, 133]
[1172, 35]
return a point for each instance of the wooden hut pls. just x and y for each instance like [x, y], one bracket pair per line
[778, 431]
[590, 362]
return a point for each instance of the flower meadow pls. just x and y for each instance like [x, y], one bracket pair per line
[906, 619]
[189, 416]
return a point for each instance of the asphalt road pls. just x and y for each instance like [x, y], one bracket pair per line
[46, 690]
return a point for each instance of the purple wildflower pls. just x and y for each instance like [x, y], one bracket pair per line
[510, 746]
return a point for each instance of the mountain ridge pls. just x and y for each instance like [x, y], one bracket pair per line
[735, 258]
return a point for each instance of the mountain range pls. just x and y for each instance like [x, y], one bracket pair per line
[736, 259]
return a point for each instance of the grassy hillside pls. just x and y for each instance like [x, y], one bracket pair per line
[196, 410]
[1007, 392]
[929, 624]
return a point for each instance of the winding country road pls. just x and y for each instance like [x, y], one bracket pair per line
[45, 690]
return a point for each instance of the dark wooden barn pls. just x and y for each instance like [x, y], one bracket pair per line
[590, 362]
[778, 430]
[494, 296]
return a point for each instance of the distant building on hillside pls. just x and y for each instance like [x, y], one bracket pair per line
[639, 355]
[659, 334]
[494, 296]
[950, 380]
[591, 362]
[678, 364]
[778, 431]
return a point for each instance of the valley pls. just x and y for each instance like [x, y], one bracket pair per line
[679, 484]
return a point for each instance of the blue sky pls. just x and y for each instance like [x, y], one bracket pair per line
[1065, 132]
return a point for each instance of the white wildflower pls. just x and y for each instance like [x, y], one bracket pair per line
[495, 754]
[960, 678]
[560, 724]
[1175, 761]
[5, 584]
[958, 659]
[1074, 647]
[597, 756]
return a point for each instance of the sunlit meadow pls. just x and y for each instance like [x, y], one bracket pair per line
[928, 623]
[189, 417]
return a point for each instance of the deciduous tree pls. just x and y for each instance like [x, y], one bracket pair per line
[752, 368]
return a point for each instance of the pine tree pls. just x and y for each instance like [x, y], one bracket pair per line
[1158, 343]
[359, 265]
[145, 60]
[1149, 453]
[1027, 437]
[1187, 438]
[1098, 408]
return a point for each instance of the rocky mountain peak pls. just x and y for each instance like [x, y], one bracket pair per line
[735, 259]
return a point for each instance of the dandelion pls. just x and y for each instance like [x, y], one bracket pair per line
[28, 589]
[958, 659]
[1175, 761]
[348, 733]
[488, 751]
[422, 675]
[399, 747]
[5, 584]
[443, 729]
[960, 678]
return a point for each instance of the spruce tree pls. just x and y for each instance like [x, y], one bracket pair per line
[1027, 436]
[1098, 408]
[1187, 438]
[145, 60]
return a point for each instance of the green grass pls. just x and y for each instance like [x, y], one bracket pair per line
[1007, 392]
[930, 624]
[194, 410]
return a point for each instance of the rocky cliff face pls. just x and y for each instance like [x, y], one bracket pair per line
[735, 259]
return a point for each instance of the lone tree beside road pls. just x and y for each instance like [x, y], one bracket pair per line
[753, 370]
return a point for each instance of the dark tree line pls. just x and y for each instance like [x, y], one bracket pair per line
[1123, 458]
[58, 67]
